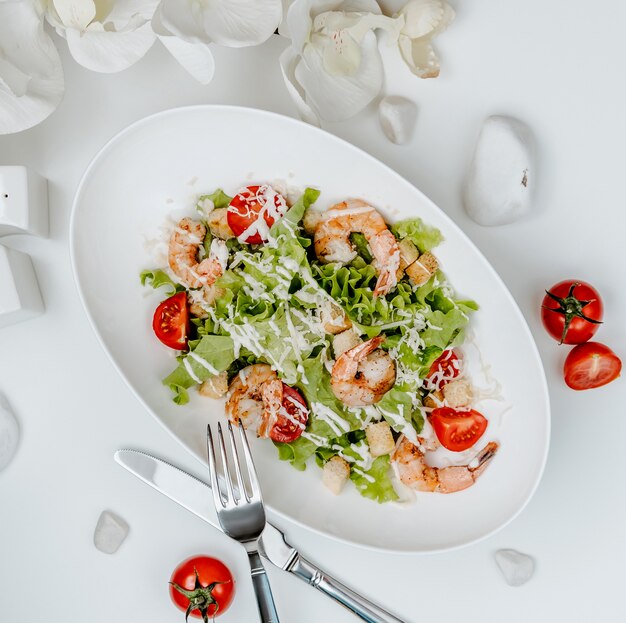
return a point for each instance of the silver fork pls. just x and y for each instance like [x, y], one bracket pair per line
[241, 515]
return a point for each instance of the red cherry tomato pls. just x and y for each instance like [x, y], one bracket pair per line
[288, 429]
[171, 321]
[591, 365]
[457, 430]
[253, 211]
[571, 311]
[202, 587]
[443, 370]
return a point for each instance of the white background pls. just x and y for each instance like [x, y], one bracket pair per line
[559, 66]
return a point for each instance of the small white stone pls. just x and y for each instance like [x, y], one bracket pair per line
[500, 182]
[397, 117]
[20, 298]
[110, 532]
[517, 568]
[9, 434]
[23, 202]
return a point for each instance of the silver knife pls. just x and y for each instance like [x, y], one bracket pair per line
[194, 495]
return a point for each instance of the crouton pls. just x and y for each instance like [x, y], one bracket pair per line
[311, 219]
[215, 387]
[458, 393]
[334, 319]
[434, 399]
[335, 474]
[344, 341]
[379, 438]
[408, 253]
[218, 224]
[421, 270]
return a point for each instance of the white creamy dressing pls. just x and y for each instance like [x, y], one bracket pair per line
[203, 362]
[336, 423]
[190, 371]
[340, 213]
[399, 423]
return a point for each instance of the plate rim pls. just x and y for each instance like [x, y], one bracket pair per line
[332, 137]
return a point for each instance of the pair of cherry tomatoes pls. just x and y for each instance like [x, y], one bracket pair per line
[571, 313]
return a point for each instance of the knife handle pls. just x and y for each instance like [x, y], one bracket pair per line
[363, 608]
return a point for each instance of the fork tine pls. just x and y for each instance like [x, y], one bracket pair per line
[230, 496]
[254, 482]
[215, 486]
[241, 484]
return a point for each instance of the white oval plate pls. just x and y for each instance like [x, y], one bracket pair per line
[162, 163]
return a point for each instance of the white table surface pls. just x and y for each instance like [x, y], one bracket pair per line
[560, 66]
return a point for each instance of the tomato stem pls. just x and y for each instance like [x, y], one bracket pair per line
[570, 307]
[200, 598]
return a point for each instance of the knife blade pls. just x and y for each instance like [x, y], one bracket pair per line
[195, 495]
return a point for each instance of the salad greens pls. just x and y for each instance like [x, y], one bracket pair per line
[268, 311]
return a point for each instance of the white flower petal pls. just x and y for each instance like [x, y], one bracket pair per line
[181, 18]
[196, 58]
[31, 76]
[344, 33]
[336, 98]
[283, 27]
[425, 17]
[420, 56]
[288, 61]
[360, 6]
[75, 13]
[300, 21]
[233, 23]
[109, 51]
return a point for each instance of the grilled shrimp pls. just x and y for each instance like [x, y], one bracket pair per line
[364, 374]
[250, 401]
[332, 240]
[413, 471]
[184, 245]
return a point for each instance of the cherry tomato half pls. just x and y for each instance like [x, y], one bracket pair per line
[457, 430]
[571, 311]
[202, 587]
[443, 370]
[591, 365]
[253, 211]
[288, 429]
[171, 321]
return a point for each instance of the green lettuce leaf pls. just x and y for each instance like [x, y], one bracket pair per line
[423, 236]
[218, 354]
[381, 489]
[160, 279]
[218, 199]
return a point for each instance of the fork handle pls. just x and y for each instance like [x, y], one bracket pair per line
[363, 608]
[262, 590]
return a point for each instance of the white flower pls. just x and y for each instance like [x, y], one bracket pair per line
[232, 23]
[333, 68]
[31, 76]
[423, 19]
[104, 35]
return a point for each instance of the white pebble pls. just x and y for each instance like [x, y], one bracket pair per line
[20, 298]
[397, 117]
[517, 568]
[9, 434]
[499, 185]
[110, 532]
[23, 202]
